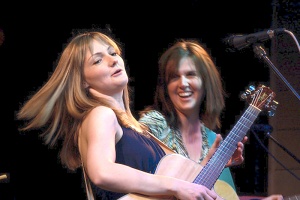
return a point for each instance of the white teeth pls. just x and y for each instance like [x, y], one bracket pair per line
[185, 94]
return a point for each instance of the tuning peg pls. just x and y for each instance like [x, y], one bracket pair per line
[248, 92]
[273, 106]
[251, 88]
[271, 113]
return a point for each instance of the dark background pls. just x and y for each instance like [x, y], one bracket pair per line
[34, 36]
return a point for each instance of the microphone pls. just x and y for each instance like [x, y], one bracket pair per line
[238, 42]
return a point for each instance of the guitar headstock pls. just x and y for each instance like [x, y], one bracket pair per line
[261, 97]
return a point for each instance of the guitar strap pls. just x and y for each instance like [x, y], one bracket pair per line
[89, 192]
[166, 149]
[88, 187]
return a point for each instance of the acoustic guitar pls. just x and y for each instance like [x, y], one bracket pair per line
[178, 166]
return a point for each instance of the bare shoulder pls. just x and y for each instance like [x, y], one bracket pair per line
[102, 111]
[101, 124]
[101, 117]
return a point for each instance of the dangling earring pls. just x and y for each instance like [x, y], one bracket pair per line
[87, 91]
[86, 88]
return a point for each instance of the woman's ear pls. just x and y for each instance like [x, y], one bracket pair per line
[85, 85]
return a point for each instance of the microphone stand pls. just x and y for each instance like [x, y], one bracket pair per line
[262, 54]
[282, 147]
[267, 129]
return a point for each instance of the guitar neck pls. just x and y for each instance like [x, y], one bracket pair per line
[212, 170]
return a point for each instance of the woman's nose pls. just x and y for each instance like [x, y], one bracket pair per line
[112, 61]
[184, 82]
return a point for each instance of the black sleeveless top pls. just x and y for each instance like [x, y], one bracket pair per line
[136, 151]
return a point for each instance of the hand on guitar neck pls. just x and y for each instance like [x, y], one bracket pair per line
[236, 158]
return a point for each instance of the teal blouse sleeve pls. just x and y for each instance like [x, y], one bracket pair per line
[226, 173]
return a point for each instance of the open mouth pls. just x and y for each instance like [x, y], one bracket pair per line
[185, 94]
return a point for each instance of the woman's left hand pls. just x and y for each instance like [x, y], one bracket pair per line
[237, 157]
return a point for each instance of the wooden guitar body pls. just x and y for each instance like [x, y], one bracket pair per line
[178, 166]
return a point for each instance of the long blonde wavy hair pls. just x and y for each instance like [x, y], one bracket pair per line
[61, 104]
